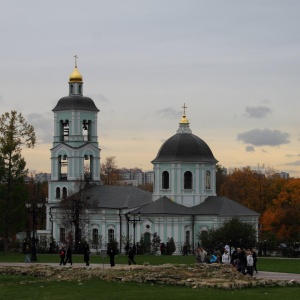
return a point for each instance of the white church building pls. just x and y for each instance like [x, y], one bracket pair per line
[184, 200]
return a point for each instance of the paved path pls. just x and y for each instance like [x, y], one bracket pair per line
[260, 274]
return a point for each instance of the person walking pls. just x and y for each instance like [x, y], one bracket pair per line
[69, 256]
[131, 253]
[111, 253]
[62, 255]
[249, 263]
[185, 249]
[254, 255]
[86, 255]
[27, 251]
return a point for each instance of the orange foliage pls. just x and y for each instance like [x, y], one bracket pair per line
[283, 216]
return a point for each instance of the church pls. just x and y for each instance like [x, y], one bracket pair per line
[183, 202]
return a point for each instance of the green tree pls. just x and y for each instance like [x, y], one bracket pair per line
[155, 242]
[15, 132]
[171, 248]
[233, 232]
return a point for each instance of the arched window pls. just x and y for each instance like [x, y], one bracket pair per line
[147, 242]
[64, 192]
[165, 180]
[64, 130]
[71, 89]
[95, 236]
[111, 235]
[57, 193]
[188, 179]
[188, 237]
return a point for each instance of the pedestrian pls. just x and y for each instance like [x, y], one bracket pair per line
[86, 255]
[131, 253]
[249, 263]
[27, 251]
[241, 261]
[62, 255]
[200, 255]
[111, 253]
[162, 248]
[226, 257]
[254, 255]
[69, 256]
[185, 250]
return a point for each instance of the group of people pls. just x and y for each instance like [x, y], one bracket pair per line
[244, 260]
[65, 256]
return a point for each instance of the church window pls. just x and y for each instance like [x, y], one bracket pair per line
[187, 237]
[95, 236]
[188, 179]
[165, 180]
[207, 180]
[88, 167]
[63, 166]
[71, 89]
[111, 235]
[57, 193]
[64, 130]
[79, 89]
[62, 234]
[86, 130]
[64, 192]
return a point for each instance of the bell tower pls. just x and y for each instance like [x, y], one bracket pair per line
[75, 155]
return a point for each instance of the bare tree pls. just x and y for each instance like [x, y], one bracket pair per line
[75, 214]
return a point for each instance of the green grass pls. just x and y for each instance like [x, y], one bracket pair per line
[264, 263]
[22, 287]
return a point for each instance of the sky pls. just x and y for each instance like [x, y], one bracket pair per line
[234, 64]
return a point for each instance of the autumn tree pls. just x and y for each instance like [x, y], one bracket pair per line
[252, 188]
[15, 133]
[110, 174]
[282, 216]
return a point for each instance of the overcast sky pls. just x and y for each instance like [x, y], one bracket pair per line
[235, 64]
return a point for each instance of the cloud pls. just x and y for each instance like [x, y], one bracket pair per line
[250, 149]
[265, 137]
[257, 112]
[43, 126]
[294, 163]
[169, 113]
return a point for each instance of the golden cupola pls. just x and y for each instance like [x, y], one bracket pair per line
[75, 76]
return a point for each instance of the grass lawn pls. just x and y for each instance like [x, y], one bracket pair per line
[269, 264]
[22, 287]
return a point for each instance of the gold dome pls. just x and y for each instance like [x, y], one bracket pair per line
[184, 120]
[75, 76]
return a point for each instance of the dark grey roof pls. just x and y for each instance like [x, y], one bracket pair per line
[213, 205]
[184, 147]
[164, 205]
[222, 206]
[119, 196]
[75, 103]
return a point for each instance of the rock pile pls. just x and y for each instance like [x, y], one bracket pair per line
[194, 276]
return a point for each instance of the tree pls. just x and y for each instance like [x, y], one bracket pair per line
[15, 132]
[155, 242]
[75, 213]
[110, 174]
[233, 232]
[252, 188]
[282, 216]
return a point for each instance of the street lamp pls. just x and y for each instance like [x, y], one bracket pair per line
[34, 210]
[134, 220]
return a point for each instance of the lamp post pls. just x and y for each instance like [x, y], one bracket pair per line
[34, 210]
[134, 220]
